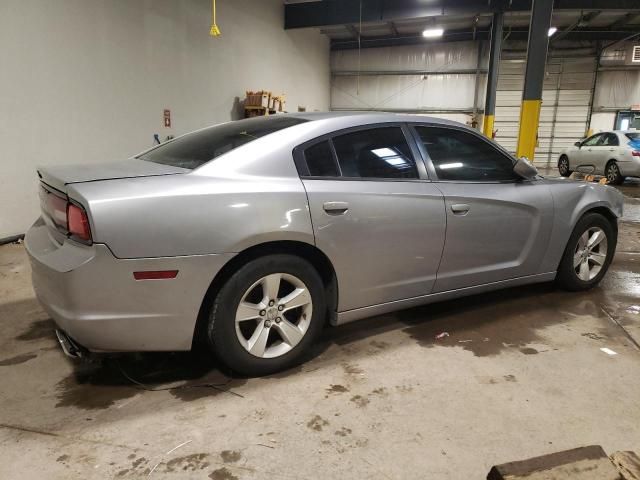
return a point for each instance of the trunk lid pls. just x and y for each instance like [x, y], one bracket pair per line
[59, 177]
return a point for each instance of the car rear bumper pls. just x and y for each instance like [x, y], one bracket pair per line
[629, 168]
[93, 297]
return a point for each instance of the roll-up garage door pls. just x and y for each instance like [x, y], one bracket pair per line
[565, 104]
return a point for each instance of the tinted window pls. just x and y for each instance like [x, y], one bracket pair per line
[609, 139]
[197, 148]
[375, 153]
[591, 141]
[633, 136]
[320, 161]
[458, 155]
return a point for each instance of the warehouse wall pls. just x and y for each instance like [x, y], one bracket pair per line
[87, 80]
[392, 78]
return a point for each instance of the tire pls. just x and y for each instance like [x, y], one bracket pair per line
[612, 172]
[569, 275]
[231, 341]
[563, 166]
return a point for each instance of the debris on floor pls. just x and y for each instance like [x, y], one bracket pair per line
[584, 463]
[442, 335]
[608, 351]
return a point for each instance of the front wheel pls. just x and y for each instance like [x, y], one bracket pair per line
[267, 315]
[588, 253]
[563, 166]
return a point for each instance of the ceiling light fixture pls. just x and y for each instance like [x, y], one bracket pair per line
[432, 32]
[552, 30]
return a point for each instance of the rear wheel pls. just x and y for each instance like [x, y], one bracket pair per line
[563, 166]
[267, 315]
[612, 172]
[588, 253]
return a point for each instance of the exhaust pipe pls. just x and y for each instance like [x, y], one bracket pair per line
[69, 347]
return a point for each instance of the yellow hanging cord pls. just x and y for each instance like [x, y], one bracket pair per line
[215, 31]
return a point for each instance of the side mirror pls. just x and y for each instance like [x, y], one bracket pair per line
[525, 169]
[578, 144]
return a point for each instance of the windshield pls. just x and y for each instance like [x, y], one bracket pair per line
[197, 148]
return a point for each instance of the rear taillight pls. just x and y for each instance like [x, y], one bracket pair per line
[635, 153]
[78, 222]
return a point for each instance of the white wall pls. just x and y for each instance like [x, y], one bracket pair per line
[87, 80]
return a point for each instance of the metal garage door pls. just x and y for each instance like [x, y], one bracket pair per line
[565, 104]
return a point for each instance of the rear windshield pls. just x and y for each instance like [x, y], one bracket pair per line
[197, 148]
[633, 136]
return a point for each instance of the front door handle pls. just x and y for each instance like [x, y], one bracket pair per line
[335, 208]
[460, 208]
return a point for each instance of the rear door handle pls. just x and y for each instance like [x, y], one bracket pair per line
[335, 208]
[460, 208]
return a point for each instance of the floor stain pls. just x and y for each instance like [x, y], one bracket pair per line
[343, 432]
[230, 456]
[62, 458]
[337, 389]
[351, 369]
[317, 423]
[38, 330]
[359, 400]
[18, 359]
[188, 463]
[529, 351]
[222, 474]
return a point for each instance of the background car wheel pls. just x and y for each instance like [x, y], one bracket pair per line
[612, 172]
[588, 253]
[563, 166]
[267, 314]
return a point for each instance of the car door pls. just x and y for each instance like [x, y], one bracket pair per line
[498, 225]
[605, 150]
[374, 213]
[589, 153]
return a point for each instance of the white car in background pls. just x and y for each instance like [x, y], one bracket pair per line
[614, 154]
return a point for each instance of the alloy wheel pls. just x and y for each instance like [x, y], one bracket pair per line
[590, 253]
[613, 172]
[273, 315]
[564, 166]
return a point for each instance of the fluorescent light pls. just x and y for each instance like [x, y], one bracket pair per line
[552, 30]
[445, 166]
[432, 32]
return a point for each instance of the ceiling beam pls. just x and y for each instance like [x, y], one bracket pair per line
[352, 30]
[624, 20]
[341, 12]
[583, 21]
[589, 33]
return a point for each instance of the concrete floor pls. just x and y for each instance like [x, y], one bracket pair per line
[520, 374]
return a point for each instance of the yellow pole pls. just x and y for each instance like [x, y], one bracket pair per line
[487, 126]
[528, 133]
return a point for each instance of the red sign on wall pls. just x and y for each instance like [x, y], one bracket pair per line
[167, 117]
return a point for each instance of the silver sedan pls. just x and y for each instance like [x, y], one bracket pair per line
[251, 235]
[614, 154]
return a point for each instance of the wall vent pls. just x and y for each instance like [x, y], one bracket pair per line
[635, 54]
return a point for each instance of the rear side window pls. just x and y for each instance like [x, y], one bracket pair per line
[320, 161]
[197, 148]
[458, 155]
[375, 153]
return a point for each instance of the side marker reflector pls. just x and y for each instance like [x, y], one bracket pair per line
[155, 275]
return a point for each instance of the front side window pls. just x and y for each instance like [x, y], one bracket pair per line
[197, 148]
[462, 156]
[375, 153]
[592, 141]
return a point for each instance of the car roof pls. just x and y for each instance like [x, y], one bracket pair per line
[364, 117]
